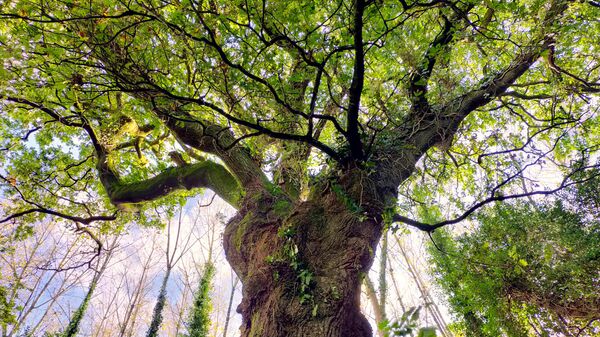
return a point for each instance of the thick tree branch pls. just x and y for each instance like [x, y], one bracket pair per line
[216, 140]
[356, 86]
[526, 96]
[417, 87]
[204, 174]
[454, 112]
[440, 123]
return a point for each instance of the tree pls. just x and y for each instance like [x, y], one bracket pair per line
[234, 282]
[11, 235]
[172, 257]
[37, 271]
[199, 321]
[527, 269]
[311, 119]
[137, 288]
[77, 316]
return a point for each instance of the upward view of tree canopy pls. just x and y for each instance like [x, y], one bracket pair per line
[322, 123]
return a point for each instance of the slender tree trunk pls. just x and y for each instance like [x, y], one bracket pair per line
[103, 325]
[159, 306]
[372, 296]
[35, 296]
[77, 317]
[75, 321]
[302, 264]
[431, 306]
[228, 316]
[135, 311]
[199, 322]
[134, 303]
[383, 273]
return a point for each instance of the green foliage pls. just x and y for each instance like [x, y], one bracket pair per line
[10, 237]
[348, 201]
[407, 325]
[6, 307]
[524, 266]
[199, 321]
[289, 256]
[78, 76]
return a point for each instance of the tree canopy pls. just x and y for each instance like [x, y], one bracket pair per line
[323, 122]
[528, 269]
[85, 85]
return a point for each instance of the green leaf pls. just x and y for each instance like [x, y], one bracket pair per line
[427, 332]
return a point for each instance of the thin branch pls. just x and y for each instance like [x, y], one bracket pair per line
[498, 197]
[81, 220]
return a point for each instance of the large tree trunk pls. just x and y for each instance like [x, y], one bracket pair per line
[301, 264]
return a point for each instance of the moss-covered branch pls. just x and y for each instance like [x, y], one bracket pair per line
[216, 140]
[205, 174]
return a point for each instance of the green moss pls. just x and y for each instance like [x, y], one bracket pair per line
[241, 230]
[350, 203]
[255, 331]
[282, 207]
[274, 190]
[204, 174]
[129, 207]
[223, 183]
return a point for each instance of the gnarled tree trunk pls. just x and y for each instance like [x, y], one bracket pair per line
[301, 264]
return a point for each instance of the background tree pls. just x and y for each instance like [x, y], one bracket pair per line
[101, 265]
[38, 271]
[199, 321]
[172, 257]
[31, 264]
[310, 119]
[11, 235]
[527, 269]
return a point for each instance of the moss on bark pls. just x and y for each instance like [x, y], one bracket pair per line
[204, 174]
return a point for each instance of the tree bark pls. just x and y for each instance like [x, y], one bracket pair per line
[157, 313]
[372, 295]
[75, 322]
[301, 264]
[229, 305]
